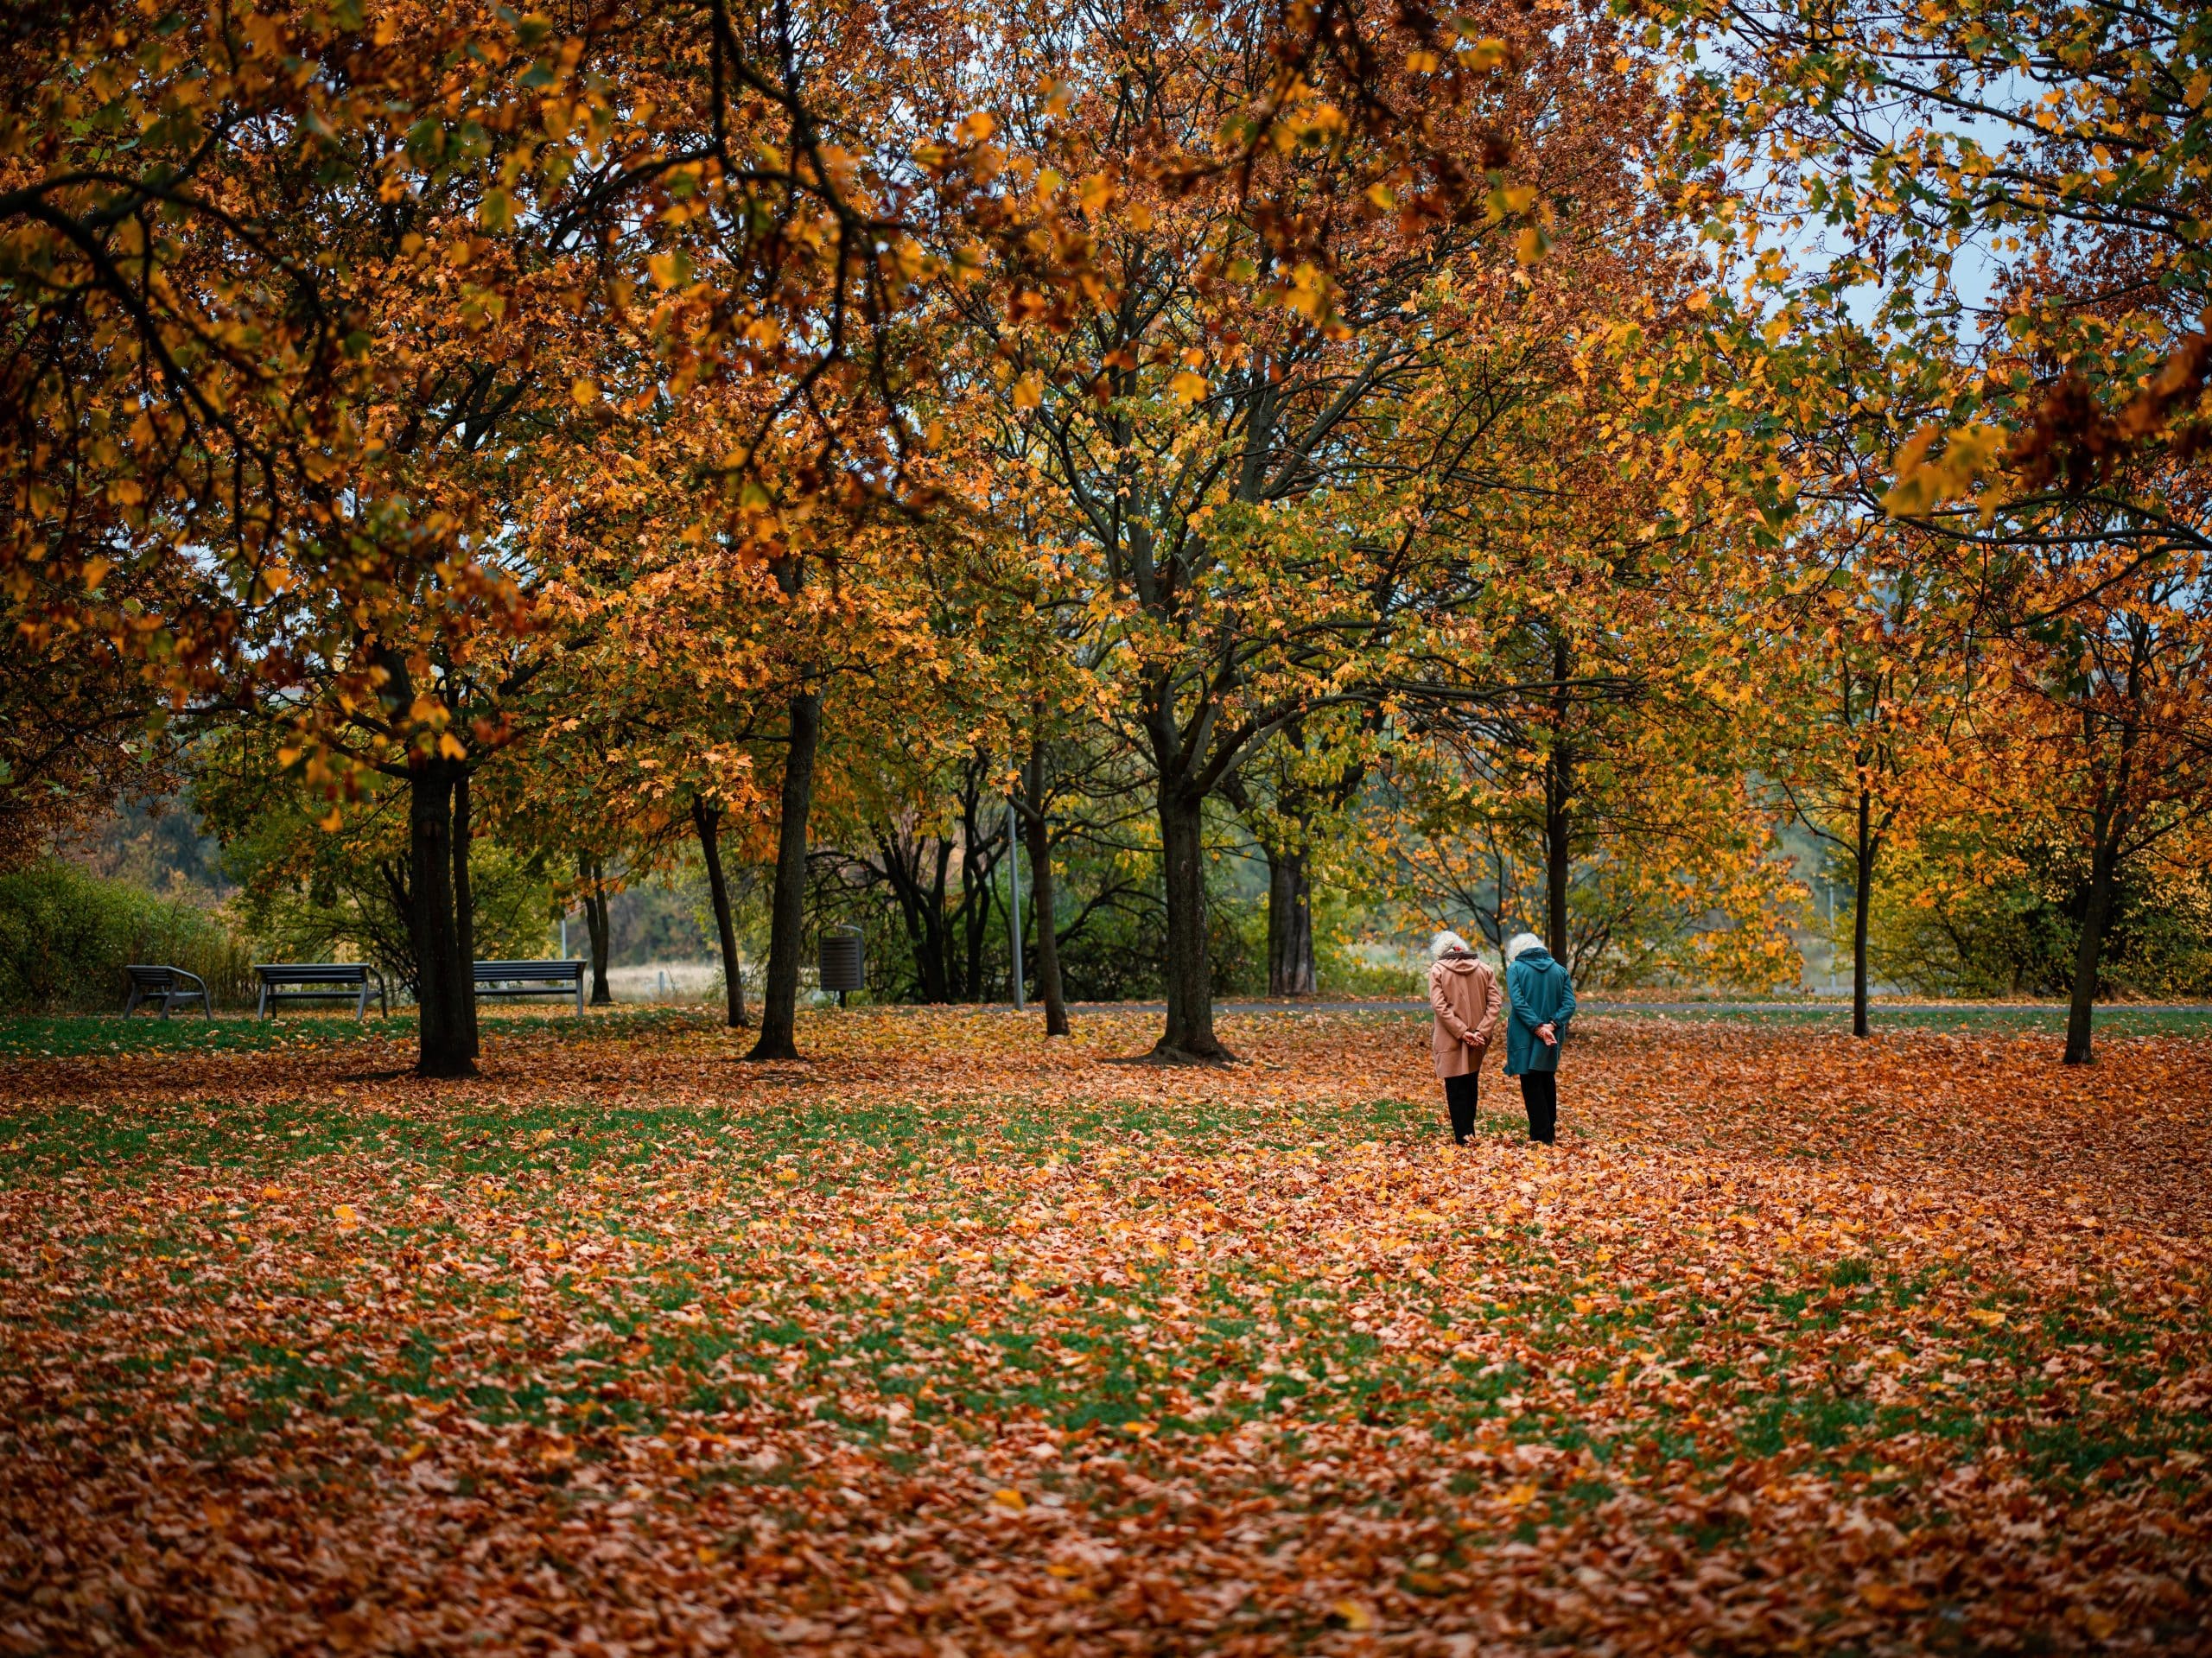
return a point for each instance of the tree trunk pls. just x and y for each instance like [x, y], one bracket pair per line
[597, 925]
[1862, 891]
[464, 906]
[708, 820]
[2104, 873]
[780, 1005]
[445, 987]
[1038, 834]
[1290, 924]
[979, 893]
[1559, 792]
[1187, 971]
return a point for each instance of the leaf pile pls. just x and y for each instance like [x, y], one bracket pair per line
[950, 1340]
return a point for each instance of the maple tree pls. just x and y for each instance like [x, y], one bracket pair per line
[2099, 714]
[1242, 483]
[1867, 693]
[1972, 299]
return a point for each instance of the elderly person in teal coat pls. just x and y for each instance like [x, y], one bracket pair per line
[1539, 1001]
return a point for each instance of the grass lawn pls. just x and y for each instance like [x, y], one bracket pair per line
[951, 1340]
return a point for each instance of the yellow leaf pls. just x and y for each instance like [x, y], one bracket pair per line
[1520, 1496]
[96, 571]
[1029, 391]
[1520, 198]
[1098, 193]
[1356, 1617]
[1009, 1498]
[1485, 55]
[976, 128]
[1987, 1318]
[450, 746]
[1531, 245]
[1188, 388]
[584, 393]
[346, 1217]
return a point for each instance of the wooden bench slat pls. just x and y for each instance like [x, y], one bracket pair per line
[498, 979]
[282, 981]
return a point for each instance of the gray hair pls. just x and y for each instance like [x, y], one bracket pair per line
[1520, 943]
[1447, 940]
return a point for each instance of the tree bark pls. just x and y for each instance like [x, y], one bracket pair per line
[597, 925]
[1037, 834]
[1862, 891]
[464, 907]
[1290, 924]
[1187, 971]
[1558, 824]
[445, 986]
[780, 1005]
[2104, 876]
[978, 896]
[708, 820]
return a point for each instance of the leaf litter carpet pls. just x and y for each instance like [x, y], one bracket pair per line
[949, 1341]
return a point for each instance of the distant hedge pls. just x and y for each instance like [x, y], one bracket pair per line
[66, 936]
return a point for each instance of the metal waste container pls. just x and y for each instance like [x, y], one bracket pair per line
[843, 967]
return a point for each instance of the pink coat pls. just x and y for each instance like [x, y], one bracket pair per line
[1464, 992]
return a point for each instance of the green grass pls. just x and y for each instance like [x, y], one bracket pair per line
[1072, 1350]
[2118, 1020]
[96, 1035]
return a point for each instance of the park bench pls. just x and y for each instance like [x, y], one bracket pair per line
[531, 979]
[319, 981]
[170, 986]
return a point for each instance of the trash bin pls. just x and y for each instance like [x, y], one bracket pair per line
[844, 966]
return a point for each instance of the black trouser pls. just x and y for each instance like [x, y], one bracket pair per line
[1540, 1093]
[1459, 1100]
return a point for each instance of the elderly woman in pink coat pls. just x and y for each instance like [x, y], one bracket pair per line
[1464, 993]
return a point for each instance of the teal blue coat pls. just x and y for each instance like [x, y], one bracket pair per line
[1537, 992]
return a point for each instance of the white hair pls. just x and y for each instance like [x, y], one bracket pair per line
[1520, 943]
[1447, 940]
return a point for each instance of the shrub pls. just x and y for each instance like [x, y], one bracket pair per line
[66, 936]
